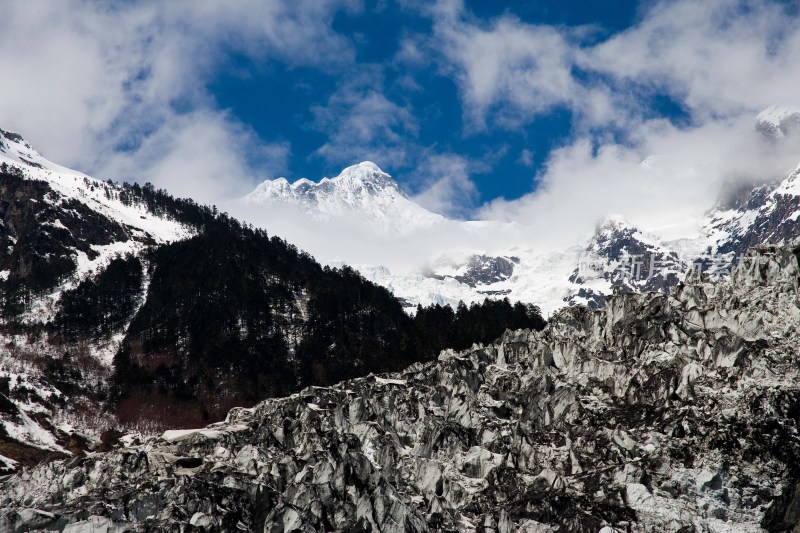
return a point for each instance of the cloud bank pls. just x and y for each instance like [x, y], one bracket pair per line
[720, 62]
[119, 90]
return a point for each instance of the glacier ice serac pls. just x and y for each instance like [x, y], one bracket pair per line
[471, 260]
[656, 413]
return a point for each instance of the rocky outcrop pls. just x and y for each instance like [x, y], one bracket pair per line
[777, 122]
[620, 257]
[770, 214]
[42, 234]
[659, 412]
[485, 270]
[479, 271]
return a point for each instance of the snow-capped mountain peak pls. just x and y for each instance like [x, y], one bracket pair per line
[362, 181]
[360, 193]
[359, 181]
[367, 173]
[778, 121]
[611, 222]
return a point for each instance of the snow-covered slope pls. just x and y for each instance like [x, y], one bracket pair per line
[778, 121]
[16, 151]
[768, 213]
[52, 215]
[139, 226]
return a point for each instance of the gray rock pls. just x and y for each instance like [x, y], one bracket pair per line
[660, 412]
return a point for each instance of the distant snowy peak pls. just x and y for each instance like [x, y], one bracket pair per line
[355, 184]
[367, 177]
[620, 256]
[362, 192]
[745, 215]
[477, 270]
[767, 214]
[610, 226]
[615, 235]
[778, 121]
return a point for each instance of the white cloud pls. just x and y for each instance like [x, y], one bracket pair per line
[201, 155]
[362, 124]
[508, 69]
[668, 196]
[122, 88]
[718, 57]
[526, 157]
[721, 61]
[446, 185]
[120, 92]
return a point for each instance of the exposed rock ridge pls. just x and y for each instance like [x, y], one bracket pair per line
[659, 412]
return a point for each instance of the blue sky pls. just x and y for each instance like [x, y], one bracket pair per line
[516, 111]
[279, 100]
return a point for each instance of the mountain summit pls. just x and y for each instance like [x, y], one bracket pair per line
[14, 147]
[778, 121]
[360, 193]
[617, 256]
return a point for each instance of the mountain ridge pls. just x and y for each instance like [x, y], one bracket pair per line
[754, 213]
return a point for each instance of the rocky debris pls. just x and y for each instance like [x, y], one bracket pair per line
[11, 136]
[659, 412]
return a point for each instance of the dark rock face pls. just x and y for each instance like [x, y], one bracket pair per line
[788, 124]
[773, 218]
[784, 513]
[485, 270]
[480, 270]
[618, 255]
[659, 412]
[41, 234]
[587, 297]
[11, 136]
[735, 195]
